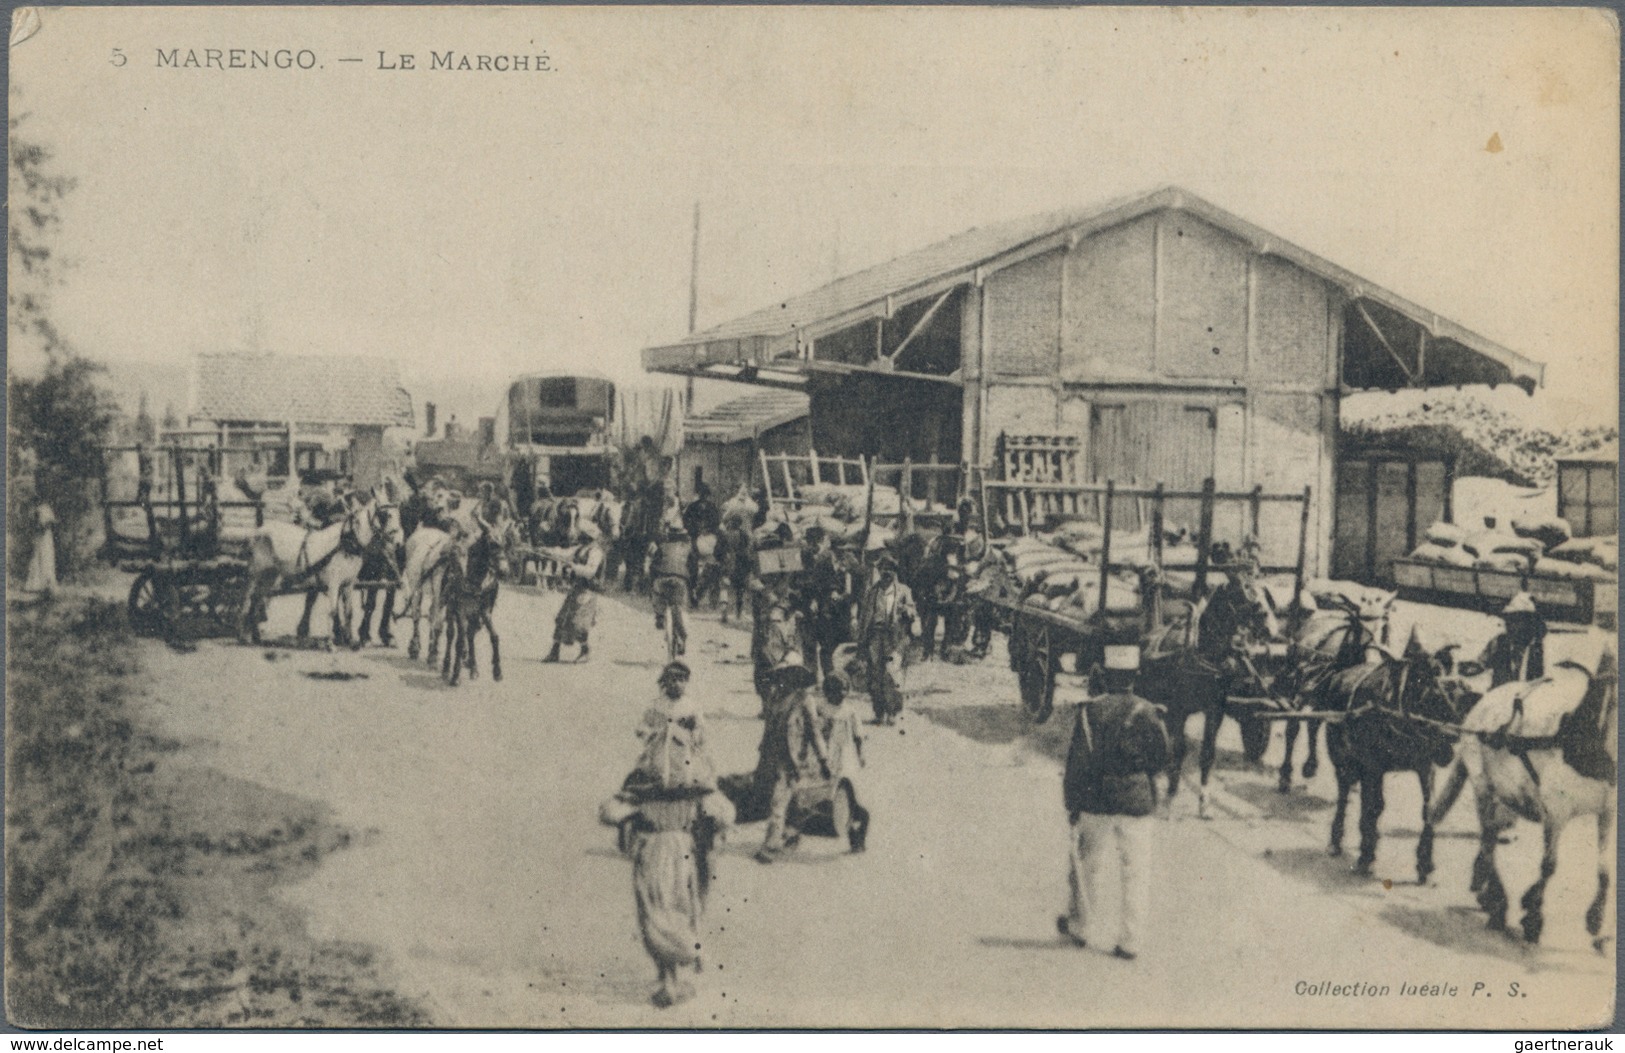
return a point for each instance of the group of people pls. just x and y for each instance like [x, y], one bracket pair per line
[674, 809]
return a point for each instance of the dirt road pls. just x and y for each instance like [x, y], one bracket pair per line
[492, 895]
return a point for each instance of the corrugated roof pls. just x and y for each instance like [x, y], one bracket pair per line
[306, 390]
[758, 337]
[746, 418]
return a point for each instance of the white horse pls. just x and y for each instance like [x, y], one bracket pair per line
[427, 552]
[1544, 751]
[327, 561]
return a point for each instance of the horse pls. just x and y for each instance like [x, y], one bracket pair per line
[473, 575]
[1183, 679]
[1544, 751]
[1392, 714]
[1327, 642]
[428, 552]
[328, 558]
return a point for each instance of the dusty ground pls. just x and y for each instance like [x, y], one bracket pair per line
[140, 884]
[487, 895]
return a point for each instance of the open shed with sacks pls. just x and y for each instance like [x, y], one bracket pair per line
[1158, 339]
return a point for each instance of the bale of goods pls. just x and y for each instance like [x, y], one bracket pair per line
[1445, 535]
[1597, 551]
[1550, 531]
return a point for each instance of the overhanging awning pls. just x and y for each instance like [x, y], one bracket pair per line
[773, 346]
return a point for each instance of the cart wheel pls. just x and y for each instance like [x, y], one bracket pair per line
[152, 604]
[1037, 678]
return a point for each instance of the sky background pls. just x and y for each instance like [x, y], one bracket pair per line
[477, 225]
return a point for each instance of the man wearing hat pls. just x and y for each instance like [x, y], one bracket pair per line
[1118, 746]
[885, 625]
[1519, 653]
[819, 591]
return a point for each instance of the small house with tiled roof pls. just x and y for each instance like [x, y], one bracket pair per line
[721, 446]
[322, 416]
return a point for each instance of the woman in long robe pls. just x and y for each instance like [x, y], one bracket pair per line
[678, 816]
[42, 564]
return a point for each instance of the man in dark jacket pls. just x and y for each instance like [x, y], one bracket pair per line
[1118, 746]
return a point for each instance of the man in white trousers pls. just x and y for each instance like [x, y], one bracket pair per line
[1118, 746]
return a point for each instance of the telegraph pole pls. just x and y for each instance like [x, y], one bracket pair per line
[693, 299]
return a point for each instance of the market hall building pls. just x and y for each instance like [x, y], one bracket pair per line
[1167, 339]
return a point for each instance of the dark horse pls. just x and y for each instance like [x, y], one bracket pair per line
[1326, 643]
[469, 593]
[1388, 714]
[1183, 681]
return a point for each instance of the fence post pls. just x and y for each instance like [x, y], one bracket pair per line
[1157, 525]
[1106, 547]
[905, 495]
[1204, 537]
[1255, 508]
[1303, 552]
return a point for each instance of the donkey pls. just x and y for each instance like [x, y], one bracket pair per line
[1544, 751]
[428, 551]
[473, 575]
[326, 560]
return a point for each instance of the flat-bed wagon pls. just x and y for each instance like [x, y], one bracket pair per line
[186, 546]
[1129, 589]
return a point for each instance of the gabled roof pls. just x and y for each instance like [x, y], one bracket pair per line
[761, 336]
[305, 390]
[746, 418]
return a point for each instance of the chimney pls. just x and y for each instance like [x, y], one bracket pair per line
[488, 431]
[428, 417]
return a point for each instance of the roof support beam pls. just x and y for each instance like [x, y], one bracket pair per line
[920, 326]
[1383, 340]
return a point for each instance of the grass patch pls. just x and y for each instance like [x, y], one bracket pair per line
[138, 886]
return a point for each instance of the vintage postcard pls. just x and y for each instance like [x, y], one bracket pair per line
[769, 517]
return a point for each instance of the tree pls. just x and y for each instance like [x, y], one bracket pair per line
[35, 193]
[60, 419]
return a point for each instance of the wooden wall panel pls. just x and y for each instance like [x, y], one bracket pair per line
[1019, 410]
[1023, 317]
[1285, 453]
[1109, 328]
[1292, 341]
[1203, 282]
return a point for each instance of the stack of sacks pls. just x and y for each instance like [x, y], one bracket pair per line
[1497, 548]
[1444, 545]
[1550, 531]
[850, 501]
[740, 505]
[1589, 558]
[1538, 544]
[1052, 578]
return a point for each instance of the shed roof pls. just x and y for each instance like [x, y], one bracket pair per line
[776, 332]
[326, 389]
[1607, 453]
[746, 418]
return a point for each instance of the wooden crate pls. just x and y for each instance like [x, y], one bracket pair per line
[1463, 580]
[1409, 575]
[1500, 584]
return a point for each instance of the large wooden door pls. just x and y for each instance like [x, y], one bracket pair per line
[1385, 501]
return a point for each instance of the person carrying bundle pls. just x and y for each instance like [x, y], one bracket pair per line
[671, 803]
